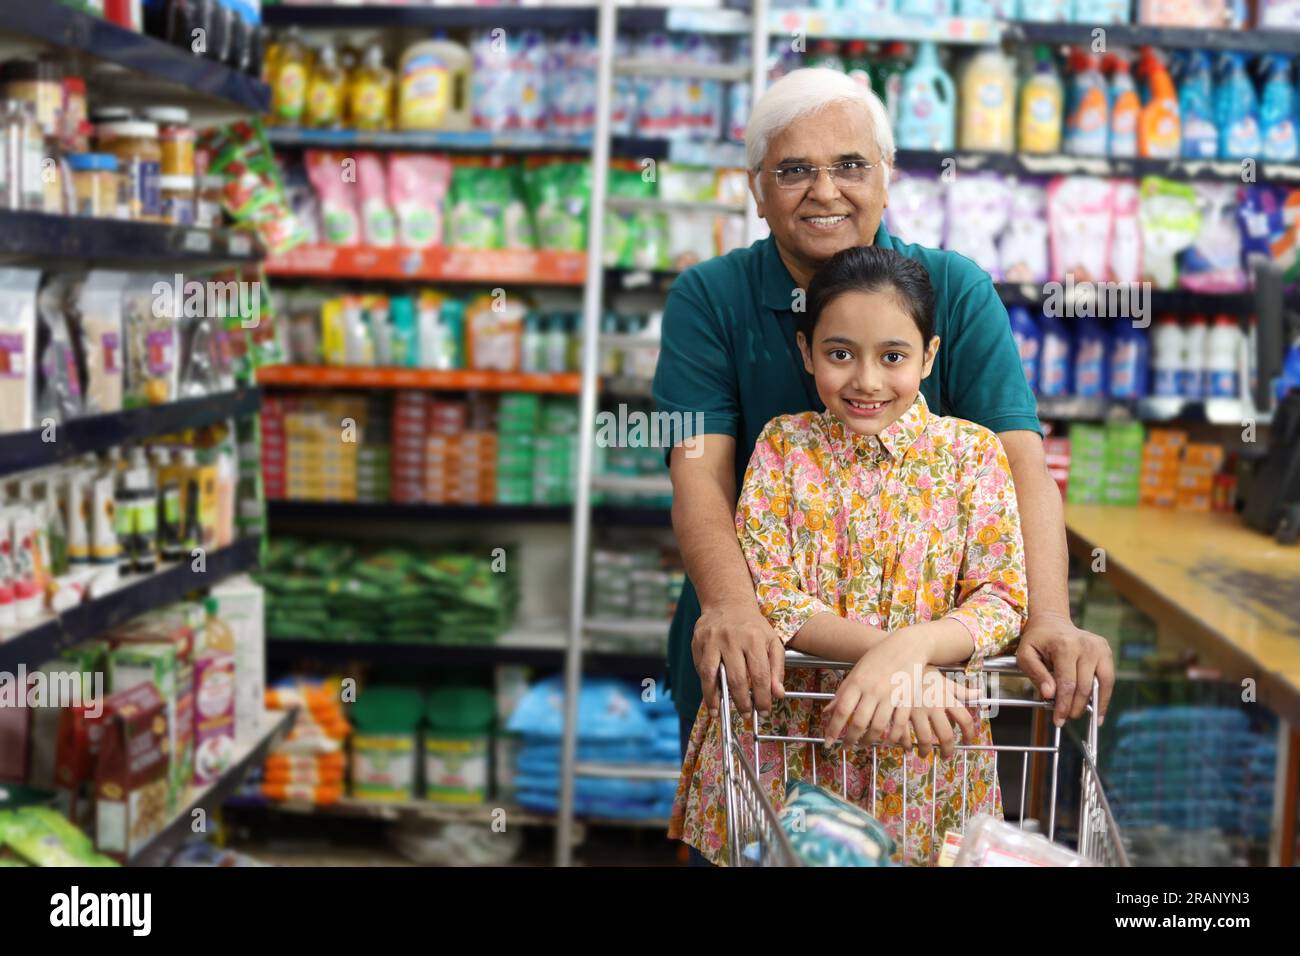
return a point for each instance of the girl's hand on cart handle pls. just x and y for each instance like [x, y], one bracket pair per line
[933, 727]
[742, 639]
[879, 691]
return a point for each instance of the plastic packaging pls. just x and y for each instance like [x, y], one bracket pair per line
[990, 842]
[1029, 342]
[1126, 232]
[916, 211]
[1159, 127]
[1087, 114]
[1041, 103]
[1170, 223]
[149, 326]
[1125, 108]
[486, 206]
[988, 96]
[58, 384]
[1213, 263]
[339, 216]
[289, 80]
[559, 193]
[325, 91]
[1192, 383]
[433, 86]
[1277, 111]
[825, 830]
[1236, 109]
[417, 190]
[1223, 348]
[1196, 109]
[1168, 356]
[18, 348]
[97, 331]
[1045, 11]
[370, 96]
[1079, 215]
[1090, 358]
[104, 546]
[378, 224]
[978, 208]
[1057, 358]
[928, 104]
[1129, 359]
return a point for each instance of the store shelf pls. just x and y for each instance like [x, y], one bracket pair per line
[210, 797]
[633, 204]
[435, 264]
[134, 596]
[625, 627]
[517, 141]
[460, 380]
[328, 512]
[1130, 35]
[1022, 164]
[855, 25]
[428, 654]
[59, 25]
[633, 484]
[721, 72]
[22, 451]
[350, 808]
[619, 771]
[41, 237]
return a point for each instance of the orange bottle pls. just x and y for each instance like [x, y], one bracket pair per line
[1159, 126]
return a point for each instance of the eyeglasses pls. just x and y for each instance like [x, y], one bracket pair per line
[852, 172]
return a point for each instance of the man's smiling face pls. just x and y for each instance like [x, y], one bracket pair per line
[812, 224]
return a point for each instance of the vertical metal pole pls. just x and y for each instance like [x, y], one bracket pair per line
[592, 308]
[758, 44]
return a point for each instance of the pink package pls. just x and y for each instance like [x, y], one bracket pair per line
[1080, 218]
[378, 224]
[417, 189]
[1184, 13]
[214, 715]
[333, 176]
[1126, 233]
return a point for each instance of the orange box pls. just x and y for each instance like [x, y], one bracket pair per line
[1205, 456]
[1193, 501]
[1197, 481]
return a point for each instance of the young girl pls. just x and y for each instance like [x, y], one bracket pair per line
[876, 532]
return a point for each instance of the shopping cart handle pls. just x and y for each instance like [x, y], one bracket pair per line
[1002, 665]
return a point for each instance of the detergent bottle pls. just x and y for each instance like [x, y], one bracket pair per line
[1041, 102]
[1237, 110]
[1278, 111]
[1167, 362]
[1196, 108]
[887, 78]
[1159, 129]
[927, 110]
[1124, 108]
[1130, 349]
[1056, 359]
[325, 90]
[1090, 360]
[1029, 340]
[433, 85]
[1087, 115]
[988, 97]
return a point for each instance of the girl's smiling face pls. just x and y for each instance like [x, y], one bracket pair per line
[868, 358]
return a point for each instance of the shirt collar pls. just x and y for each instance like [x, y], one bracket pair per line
[778, 285]
[893, 442]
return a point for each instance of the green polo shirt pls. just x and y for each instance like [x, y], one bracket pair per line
[729, 352]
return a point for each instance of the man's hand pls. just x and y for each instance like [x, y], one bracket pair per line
[741, 638]
[1062, 660]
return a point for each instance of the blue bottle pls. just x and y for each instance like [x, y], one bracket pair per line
[1098, 12]
[1056, 359]
[1236, 109]
[1277, 111]
[1090, 359]
[1087, 107]
[1029, 340]
[1196, 107]
[1045, 11]
[927, 112]
[1130, 350]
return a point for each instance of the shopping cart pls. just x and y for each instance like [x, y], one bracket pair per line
[754, 833]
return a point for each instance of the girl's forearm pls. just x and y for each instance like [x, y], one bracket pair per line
[835, 638]
[947, 641]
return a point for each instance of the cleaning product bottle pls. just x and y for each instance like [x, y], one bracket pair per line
[1041, 102]
[856, 62]
[325, 91]
[826, 54]
[1193, 379]
[1029, 340]
[370, 99]
[1237, 109]
[1129, 356]
[1125, 108]
[289, 83]
[1087, 117]
[1090, 358]
[433, 85]
[887, 78]
[988, 97]
[927, 110]
[1223, 349]
[1159, 129]
[1196, 108]
[1278, 111]
[1056, 360]
[1167, 357]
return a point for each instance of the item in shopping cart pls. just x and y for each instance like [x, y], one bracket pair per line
[991, 842]
[417, 189]
[825, 830]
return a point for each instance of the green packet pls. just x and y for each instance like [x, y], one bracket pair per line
[825, 830]
[44, 837]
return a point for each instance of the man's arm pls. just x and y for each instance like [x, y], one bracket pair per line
[1076, 655]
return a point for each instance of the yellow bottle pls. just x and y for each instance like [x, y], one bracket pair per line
[433, 85]
[370, 98]
[292, 66]
[325, 91]
[1042, 101]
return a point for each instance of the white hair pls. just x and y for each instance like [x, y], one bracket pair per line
[801, 92]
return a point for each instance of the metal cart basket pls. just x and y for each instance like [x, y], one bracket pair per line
[754, 833]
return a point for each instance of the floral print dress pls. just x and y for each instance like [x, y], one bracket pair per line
[914, 525]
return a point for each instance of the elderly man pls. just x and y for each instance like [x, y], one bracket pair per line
[820, 153]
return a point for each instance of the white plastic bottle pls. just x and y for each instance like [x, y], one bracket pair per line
[1193, 382]
[1167, 358]
[1222, 357]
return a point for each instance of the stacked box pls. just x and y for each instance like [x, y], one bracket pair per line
[410, 426]
[555, 453]
[1196, 474]
[1161, 457]
[322, 437]
[1087, 482]
[461, 468]
[1057, 452]
[274, 447]
[1123, 470]
[518, 417]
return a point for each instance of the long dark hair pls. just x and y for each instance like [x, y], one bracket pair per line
[871, 269]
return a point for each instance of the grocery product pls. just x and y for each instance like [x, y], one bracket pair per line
[1223, 353]
[370, 94]
[1236, 109]
[339, 213]
[433, 86]
[1125, 108]
[1041, 101]
[378, 224]
[139, 153]
[18, 289]
[1170, 222]
[325, 91]
[214, 714]
[97, 337]
[97, 185]
[457, 744]
[1192, 381]
[1213, 262]
[1087, 111]
[988, 97]
[1200, 133]
[978, 210]
[417, 188]
[1129, 359]
[1090, 358]
[289, 81]
[559, 193]
[991, 842]
[1079, 211]
[384, 765]
[1168, 356]
[826, 830]
[927, 104]
[1277, 111]
[240, 603]
[131, 775]
[150, 342]
[1056, 362]
[39, 84]
[1029, 342]
[916, 209]
[1159, 125]
[486, 207]
[44, 837]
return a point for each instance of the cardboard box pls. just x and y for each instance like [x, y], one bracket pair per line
[215, 688]
[132, 663]
[241, 604]
[131, 782]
